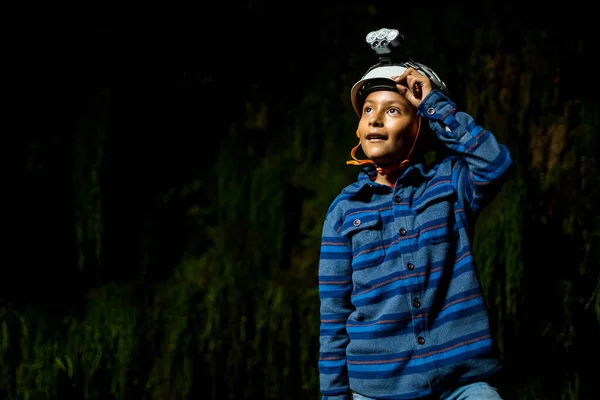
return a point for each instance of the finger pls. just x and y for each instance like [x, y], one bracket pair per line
[411, 73]
[400, 80]
[405, 74]
[413, 83]
[413, 98]
[407, 93]
[410, 96]
[410, 81]
[402, 89]
[418, 83]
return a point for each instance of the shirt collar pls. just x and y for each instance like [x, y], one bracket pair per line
[416, 172]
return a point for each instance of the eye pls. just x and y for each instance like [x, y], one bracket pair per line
[394, 111]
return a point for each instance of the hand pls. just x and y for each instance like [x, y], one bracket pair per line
[413, 85]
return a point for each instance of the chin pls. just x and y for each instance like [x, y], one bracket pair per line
[381, 161]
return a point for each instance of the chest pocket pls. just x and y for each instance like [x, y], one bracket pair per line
[435, 213]
[365, 231]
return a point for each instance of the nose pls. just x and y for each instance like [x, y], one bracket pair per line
[375, 119]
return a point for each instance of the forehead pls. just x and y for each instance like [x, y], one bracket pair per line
[386, 96]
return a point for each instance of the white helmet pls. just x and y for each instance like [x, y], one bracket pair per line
[379, 76]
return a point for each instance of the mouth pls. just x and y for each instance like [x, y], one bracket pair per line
[375, 137]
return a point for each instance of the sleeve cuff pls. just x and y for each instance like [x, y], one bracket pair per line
[436, 106]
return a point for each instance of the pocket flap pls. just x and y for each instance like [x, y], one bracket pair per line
[359, 221]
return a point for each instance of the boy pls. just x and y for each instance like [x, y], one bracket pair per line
[402, 312]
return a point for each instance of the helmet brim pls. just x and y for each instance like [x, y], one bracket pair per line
[385, 72]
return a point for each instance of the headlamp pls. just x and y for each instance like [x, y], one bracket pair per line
[384, 40]
[388, 44]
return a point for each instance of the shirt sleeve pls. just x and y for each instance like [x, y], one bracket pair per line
[335, 287]
[484, 162]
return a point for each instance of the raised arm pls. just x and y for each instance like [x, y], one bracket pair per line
[484, 162]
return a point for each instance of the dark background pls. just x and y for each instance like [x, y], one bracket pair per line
[172, 167]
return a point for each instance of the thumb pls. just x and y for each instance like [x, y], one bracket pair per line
[409, 95]
[403, 90]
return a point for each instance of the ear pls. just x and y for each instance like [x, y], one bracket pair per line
[357, 134]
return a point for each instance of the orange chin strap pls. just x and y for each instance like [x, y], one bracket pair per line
[390, 168]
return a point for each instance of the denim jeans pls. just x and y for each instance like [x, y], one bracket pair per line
[471, 391]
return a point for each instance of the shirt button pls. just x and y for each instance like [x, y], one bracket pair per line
[397, 199]
[402, 232]
[421, 340]
[410, 266]
[356, 222]
[416, 303]
[431, 111]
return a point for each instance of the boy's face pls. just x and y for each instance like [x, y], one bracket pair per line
[387, 127]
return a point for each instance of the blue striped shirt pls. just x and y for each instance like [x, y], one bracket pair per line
[402, 312]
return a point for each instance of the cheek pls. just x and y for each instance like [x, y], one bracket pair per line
[405, 128]
[363, 128]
